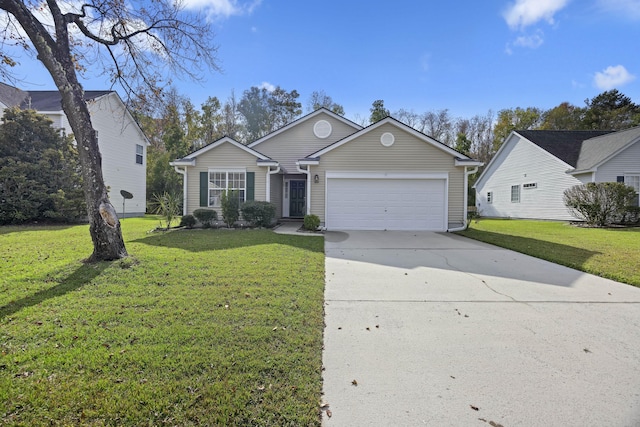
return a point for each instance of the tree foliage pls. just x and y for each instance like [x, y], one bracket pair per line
[266, 110]
[319, 99]
[611, 110]
[600, 204]
[378, 112]
[511, 119]
[124, 42]
[39, 171]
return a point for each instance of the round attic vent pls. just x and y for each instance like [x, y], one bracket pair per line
[387, 139]
[322, 129]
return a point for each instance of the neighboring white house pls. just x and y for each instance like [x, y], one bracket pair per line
[122, 143]
[529, 174]
[387, 176]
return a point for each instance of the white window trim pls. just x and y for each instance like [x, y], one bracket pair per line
[515, 199]
[635, 176]
[141, 154]
[227, 172]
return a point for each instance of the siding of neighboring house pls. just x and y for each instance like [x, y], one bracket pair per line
[118, 136]
[521, 162]
[298, 141]
[625, 162]
[225, 156]
[407, 155]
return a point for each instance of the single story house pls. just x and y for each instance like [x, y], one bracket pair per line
[123, 145]
[530, 172]
[387, 176]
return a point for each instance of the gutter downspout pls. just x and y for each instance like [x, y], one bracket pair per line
[270, 172]
[307, 172]
[183, 172]
[466, 197]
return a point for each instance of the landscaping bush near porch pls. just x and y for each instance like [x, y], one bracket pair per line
[198, 327]
[608, 252]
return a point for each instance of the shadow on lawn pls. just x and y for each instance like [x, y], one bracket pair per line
[80, 277]
[570, 256]
[199, 240]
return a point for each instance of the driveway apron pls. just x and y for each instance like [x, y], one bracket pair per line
[436, 329]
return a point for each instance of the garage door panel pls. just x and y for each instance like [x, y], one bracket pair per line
[386, 204]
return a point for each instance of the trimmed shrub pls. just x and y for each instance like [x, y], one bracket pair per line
[230, 207]
[205, 216]
[260, 214]
[188, 221]
[600, 203]
[311, 222]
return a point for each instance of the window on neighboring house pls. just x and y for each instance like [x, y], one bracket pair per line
[515, 194]
[220, 181]
[489, 197]
[139, 154]
[633, 181]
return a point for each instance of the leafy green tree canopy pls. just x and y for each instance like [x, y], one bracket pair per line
[266, 110]
[378, 112]
[611, 110]
[39, 171]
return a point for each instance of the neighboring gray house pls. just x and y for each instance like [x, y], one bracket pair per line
[122, 143]
[387, 176]
[529, 174]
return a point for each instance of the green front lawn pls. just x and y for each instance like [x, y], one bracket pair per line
[608, 252]
[197, 327]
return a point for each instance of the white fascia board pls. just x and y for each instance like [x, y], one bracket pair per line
[496, 157]
[267, 163]
[183, 162]
[386, 175]
[462, 162]
[302, 120]
[305, 162]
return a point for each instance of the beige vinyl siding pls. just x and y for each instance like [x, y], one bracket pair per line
[223, 157]
[408, 154]
[299, 141]
[276, 193]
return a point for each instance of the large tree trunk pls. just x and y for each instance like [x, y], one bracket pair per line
[56, 56]
[104, 224]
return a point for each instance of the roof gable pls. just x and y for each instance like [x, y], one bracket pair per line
[303, 119]
[224, 140]
[596, 151]
[390, 120]
[563, 144]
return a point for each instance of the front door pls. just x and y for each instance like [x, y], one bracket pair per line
[297, 192]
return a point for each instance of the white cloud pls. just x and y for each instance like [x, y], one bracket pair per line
[628, 8]
[222, 8]
[534, 41]
[268, 86]
[524, 13]
[612, 77]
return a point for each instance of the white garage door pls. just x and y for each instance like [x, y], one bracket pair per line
[386, 204]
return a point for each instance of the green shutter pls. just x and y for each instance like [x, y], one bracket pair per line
[204, 189]
[251, 185]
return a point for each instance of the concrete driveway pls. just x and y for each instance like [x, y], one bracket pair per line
[436, 329]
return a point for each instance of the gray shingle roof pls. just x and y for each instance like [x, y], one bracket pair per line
[597, 150]
[40, 100]
[564, 144]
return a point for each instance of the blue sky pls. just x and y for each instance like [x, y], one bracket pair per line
[467, 57]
